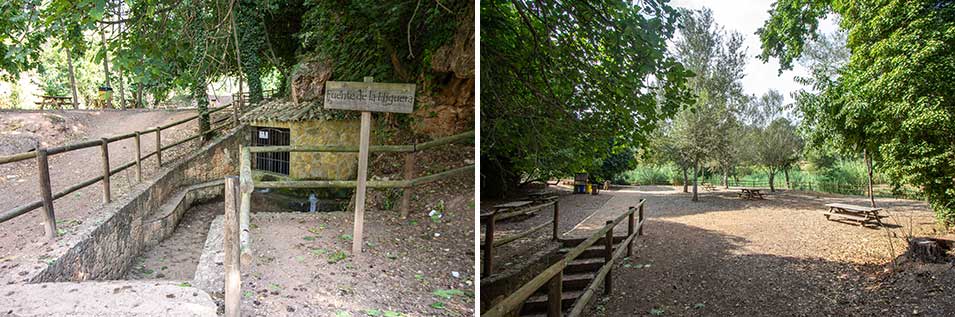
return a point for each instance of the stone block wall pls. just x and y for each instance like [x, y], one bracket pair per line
[321, 166]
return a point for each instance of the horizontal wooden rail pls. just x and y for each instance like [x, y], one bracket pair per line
[522, 234]
[103, 143]
[374, 148]
[17, 157]
[371, 184]
[603, 273]
[516, 299]
[516, 212]
[488, 220]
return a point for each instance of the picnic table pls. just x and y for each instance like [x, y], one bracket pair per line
[750, 193]
[861, 214]
[55, 102]
[708, 186]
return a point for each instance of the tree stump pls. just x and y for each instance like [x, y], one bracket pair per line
[926, 250]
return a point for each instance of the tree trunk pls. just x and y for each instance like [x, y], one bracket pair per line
[868, 167]
[122, 88]
[686, 181]
[139, 95]
[102, 34]
[726, 178]
[202, 105]
[926, 250]
[69, 62]
[696, 175]
[772, 176]
[786, 172]
[122, 92]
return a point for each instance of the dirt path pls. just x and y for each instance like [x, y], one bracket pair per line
[725, 256]
[18, 181]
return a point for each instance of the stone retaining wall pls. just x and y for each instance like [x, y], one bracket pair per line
[104, 247]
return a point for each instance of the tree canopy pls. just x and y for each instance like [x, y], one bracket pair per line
[567, 84]
[894, 97]
[705, 130]
[166, 44]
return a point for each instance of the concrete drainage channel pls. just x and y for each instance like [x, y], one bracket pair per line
[99, 270]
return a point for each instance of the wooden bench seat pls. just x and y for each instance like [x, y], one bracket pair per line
[847, 216]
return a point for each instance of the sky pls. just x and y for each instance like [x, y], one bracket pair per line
[745, 17]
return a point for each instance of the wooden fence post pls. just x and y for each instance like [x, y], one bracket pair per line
[43, 165]
[556, 217]
[139, 158]
[640, 210]
[105, 150]
[554, 295]
[235, 111]
[245, 203]
[489, 244]
[630, 226]
[608, 258]
[407, 191]
[233, 285]
[360, 191]
[159, 146]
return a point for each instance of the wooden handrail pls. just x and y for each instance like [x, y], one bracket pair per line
[247, 184]
[521, 234]
[107, 170]
[371, 184]
[516, 299]
[374, 148]
[489, 219]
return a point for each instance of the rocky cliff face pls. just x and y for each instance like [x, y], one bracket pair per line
[451, 109]
[308, 79]
[445, 100]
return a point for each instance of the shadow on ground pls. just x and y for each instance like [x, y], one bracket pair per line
[682, 270]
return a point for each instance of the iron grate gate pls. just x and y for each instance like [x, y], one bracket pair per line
[277, 162]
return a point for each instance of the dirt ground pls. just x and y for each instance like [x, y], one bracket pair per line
[724, 256]
[176, 257]
[414, 267]
[23, 235]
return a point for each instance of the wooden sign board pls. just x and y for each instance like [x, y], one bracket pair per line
[368, 96]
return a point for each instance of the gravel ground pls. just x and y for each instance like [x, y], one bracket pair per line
[724, 256]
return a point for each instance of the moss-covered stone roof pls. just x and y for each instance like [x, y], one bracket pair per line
[284, 110]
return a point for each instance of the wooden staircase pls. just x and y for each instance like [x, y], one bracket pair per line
[577, 276]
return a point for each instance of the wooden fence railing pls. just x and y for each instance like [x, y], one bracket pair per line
[246, 185]
[47, 196]
[489, 219]
[553, 275]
